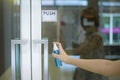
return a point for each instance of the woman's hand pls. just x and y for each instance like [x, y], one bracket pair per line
[62, 56]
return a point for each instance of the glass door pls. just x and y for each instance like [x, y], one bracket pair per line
[20, 43]
[26, 56]
[60, 22]
[67, 29]
[38, 23]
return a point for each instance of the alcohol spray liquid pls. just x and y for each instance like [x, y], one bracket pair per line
[58, 63]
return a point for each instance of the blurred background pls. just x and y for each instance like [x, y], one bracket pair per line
[66, 29]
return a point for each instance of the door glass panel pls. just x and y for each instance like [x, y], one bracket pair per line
[16, 20]
[116, 29]
[63, 30]
[105, 29]
[109, 28]
[20, 51]
[110, 18]
[67, 29]
[16, 36]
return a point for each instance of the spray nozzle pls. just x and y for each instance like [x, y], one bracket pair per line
[55, 46]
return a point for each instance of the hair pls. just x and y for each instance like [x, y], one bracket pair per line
[90, 11]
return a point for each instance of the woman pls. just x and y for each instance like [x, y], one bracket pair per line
[91, 47]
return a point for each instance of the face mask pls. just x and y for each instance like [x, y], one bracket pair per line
[88, 22]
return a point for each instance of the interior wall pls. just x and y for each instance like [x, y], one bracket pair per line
[1, 39]
[7, 7]
[5, 34]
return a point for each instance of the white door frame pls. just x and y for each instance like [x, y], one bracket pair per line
[30, 41]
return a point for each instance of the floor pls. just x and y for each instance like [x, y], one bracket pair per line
[7, 75]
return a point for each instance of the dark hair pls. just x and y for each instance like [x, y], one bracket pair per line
[90, 11]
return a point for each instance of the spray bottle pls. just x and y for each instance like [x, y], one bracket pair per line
[58, 63]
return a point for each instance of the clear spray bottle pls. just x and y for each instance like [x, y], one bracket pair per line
[58, 63]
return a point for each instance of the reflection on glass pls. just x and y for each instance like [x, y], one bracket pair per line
[64, 3]
[116, 29]
[110, 9]
[105, 29]
[110, 28]
[68, 22]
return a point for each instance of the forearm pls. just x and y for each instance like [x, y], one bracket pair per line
[97, 66]
[100, 66]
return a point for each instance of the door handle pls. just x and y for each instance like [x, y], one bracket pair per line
[13, 55]
[44, 41]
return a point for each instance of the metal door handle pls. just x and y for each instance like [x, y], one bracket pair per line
[13, 43]
[13, 66]
[45, 43]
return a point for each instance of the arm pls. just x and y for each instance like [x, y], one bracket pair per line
[100, 66]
